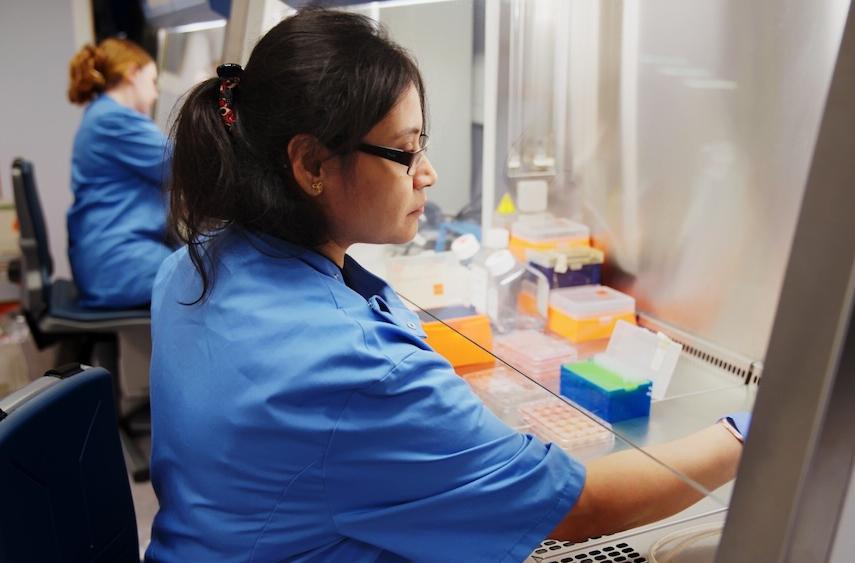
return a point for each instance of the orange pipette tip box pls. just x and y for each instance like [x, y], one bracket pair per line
[461, 335]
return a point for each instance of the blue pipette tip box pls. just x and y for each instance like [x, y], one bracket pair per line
[605, 393]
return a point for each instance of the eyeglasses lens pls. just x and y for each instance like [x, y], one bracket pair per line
[414, 164]
[417, 158]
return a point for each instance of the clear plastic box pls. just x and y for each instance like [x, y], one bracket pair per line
[503, 390]
[429, 280]
[539, 356]
[637, 353]
[576, 432]
[588, 312]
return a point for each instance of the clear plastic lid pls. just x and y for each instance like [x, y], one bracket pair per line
[535, 348]
[465, 247]
[500, 262]
[536, 355]
[497, 238]
[639, 354]
[503, 390]
[587, 301]
[514, 360]
[550, 229]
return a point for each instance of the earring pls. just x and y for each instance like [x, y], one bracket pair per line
[317, 187]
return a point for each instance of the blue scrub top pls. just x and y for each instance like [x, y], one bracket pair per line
[117, 224]
[298, 415]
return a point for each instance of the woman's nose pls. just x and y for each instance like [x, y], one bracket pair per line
[425, 175]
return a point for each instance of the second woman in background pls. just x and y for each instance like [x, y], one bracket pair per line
[117, 224]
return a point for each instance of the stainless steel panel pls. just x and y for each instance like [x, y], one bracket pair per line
[687, 134]
[695, 186]
[798, 459]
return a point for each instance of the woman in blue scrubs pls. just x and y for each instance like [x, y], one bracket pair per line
[297, 413]
[117, 223]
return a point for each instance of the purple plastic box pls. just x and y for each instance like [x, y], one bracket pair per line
[590, 274]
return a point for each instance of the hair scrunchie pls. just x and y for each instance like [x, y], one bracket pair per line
[229, 74]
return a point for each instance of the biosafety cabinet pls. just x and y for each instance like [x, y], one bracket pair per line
[693, 164]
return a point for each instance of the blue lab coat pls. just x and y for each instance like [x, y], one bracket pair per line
[298, 415]
[117, 224]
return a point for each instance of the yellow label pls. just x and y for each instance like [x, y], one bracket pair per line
[506, 205]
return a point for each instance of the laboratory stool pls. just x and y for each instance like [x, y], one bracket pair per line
[63, 481]
[54, 315]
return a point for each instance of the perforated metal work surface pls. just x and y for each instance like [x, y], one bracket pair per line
[552, 551]
[631, 546]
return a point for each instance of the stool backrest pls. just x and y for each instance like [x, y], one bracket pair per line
[63, 483]
[36, 261]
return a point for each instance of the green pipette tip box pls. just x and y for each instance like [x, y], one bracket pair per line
[605, 393]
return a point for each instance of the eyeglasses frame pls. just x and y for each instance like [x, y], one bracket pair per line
[396, 155]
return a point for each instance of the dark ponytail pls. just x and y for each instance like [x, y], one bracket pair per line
[332, 75]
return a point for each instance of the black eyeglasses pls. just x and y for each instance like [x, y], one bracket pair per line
[410, 159]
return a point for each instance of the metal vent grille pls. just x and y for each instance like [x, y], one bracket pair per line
[746, 374]
[746, 369]
[622, 552]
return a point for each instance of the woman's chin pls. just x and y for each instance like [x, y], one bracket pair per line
[405, 235]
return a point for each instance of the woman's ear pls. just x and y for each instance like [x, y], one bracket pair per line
[132, 72]
[306, 155]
